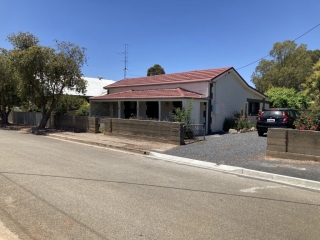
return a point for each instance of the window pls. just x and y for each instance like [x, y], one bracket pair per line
[253, 108]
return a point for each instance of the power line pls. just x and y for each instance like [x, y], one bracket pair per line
[282, 47]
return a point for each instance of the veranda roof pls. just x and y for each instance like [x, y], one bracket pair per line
[151, 94]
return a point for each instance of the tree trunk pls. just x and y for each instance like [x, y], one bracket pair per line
[43, 122]
[46, 114]
[4, 114]
[4, 117]
[44, 119]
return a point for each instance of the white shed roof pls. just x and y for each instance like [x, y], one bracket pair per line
[94, 87]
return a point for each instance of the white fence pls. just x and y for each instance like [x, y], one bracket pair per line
[26, 118]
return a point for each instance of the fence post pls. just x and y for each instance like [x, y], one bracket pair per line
[182, 134]
[107, 126]
[52, 120]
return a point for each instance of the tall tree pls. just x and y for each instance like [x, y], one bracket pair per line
[288, 98]
[312, 85]
[289, 67]
[315, 55]
[45, 72]
[155, 70]
[8, 85]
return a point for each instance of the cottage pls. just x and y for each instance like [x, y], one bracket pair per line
[215, 94]
[95, 87]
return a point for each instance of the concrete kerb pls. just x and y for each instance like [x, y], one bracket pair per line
[299, 182]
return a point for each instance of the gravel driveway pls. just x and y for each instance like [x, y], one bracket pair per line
[224, 148]
[246, 150]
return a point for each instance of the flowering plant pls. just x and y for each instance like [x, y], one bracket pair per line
[311, 122]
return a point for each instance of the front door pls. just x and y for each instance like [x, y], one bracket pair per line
[130, 109]
[203, 114]
[152, 110]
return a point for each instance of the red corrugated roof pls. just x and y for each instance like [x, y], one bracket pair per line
[192, 76]
[149, 94]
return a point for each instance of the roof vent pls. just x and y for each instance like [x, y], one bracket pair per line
[100, 77]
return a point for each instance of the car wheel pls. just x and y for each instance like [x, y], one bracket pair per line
[260, 133]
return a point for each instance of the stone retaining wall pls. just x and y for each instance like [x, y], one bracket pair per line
[293, 144]
[169, 132]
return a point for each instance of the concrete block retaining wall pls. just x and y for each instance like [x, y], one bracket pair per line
[169, 132]
[293, 144]
[94, 125]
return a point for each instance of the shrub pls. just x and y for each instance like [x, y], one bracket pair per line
[311, 122]
[288, 97]
[182, 115]
[69, 103]
[83, 110]
[228, 123]
[237, 122]
[242, 123]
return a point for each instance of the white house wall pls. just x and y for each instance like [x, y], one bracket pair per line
[142, 109]
[230, 94]
[199, 87]
[195, 113]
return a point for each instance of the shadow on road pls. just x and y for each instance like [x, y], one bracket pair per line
[159, 186]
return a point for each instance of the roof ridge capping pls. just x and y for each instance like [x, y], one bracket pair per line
[170, 78]
[180, 91]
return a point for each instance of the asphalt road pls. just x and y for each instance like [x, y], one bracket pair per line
[52, 189]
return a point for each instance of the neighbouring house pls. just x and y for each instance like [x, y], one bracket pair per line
[95, 87]
[215, 95]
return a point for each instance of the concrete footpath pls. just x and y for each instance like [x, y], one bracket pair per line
[154, 150]
[117, 142]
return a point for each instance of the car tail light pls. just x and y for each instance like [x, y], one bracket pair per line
[259, 118]
[285, 117]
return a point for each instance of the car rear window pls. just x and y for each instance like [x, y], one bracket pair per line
[296, 114]
[272, 114]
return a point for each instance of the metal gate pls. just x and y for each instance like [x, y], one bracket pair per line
[194, 131]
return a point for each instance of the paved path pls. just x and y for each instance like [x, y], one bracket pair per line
[112, 141]
[53, 189]
[116, 141]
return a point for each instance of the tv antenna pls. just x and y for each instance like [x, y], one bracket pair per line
[125, 53]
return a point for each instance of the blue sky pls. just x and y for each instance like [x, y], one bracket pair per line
[179, 35]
